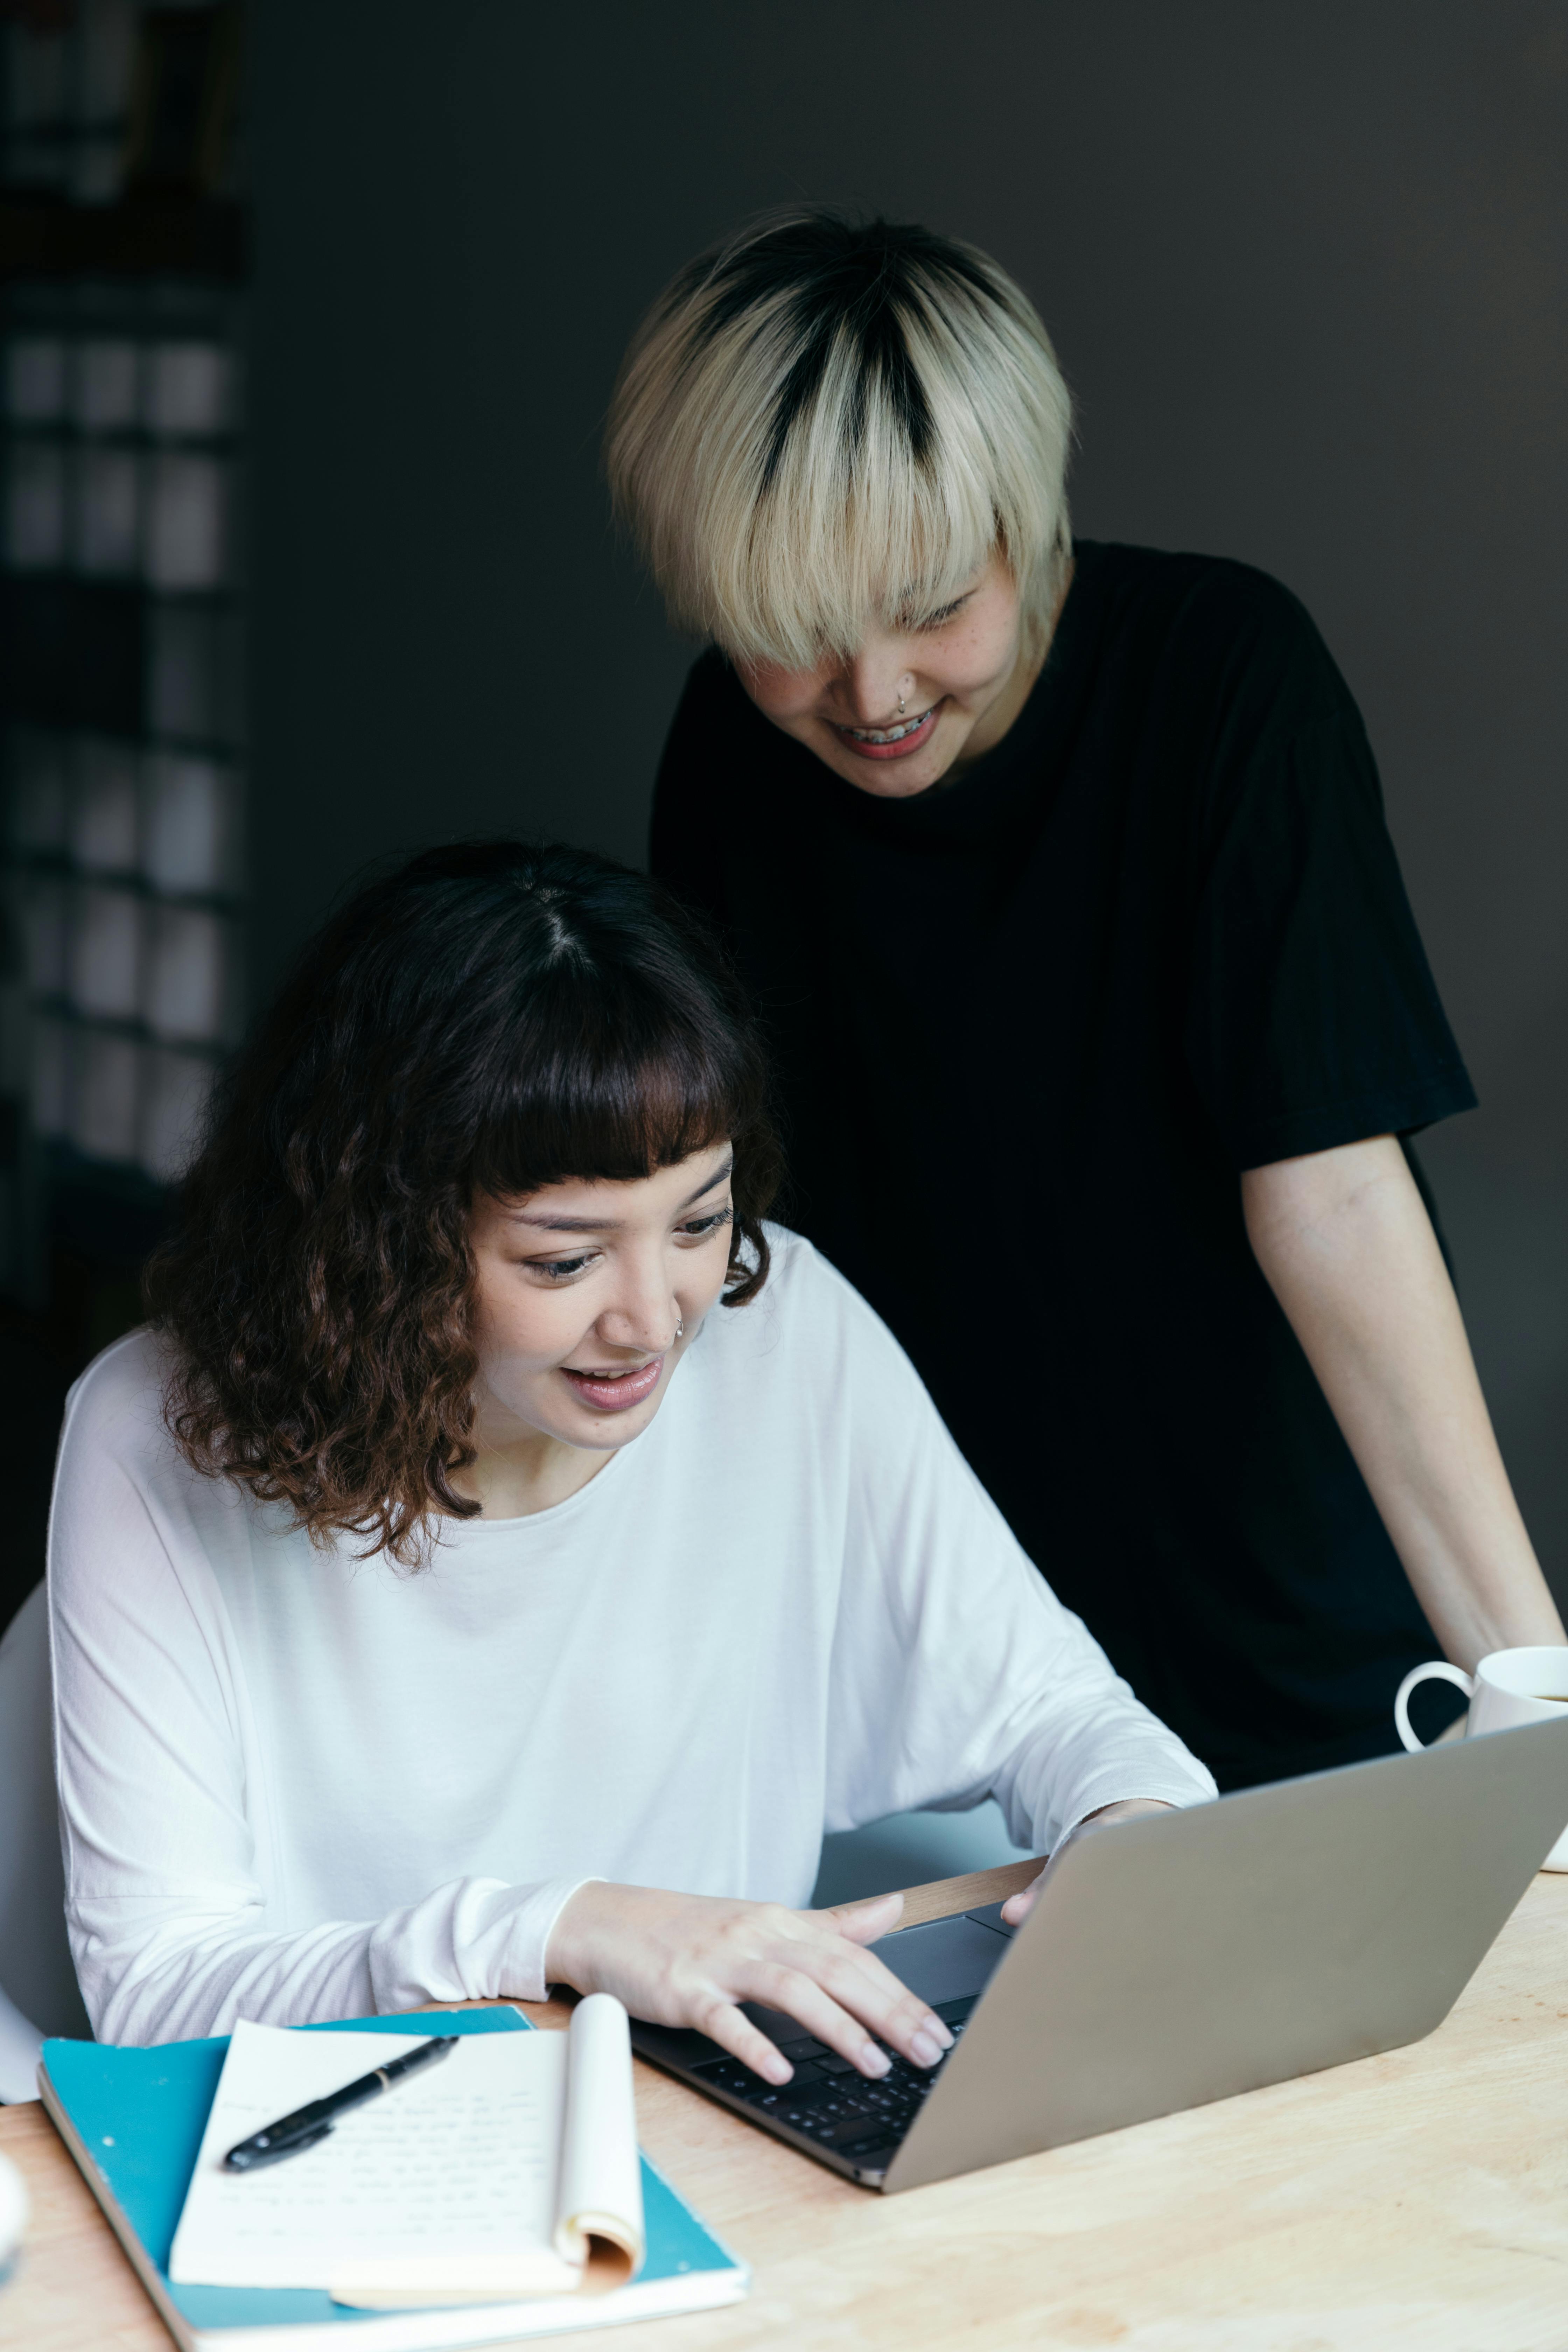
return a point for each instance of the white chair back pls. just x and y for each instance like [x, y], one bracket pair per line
[38, 1983]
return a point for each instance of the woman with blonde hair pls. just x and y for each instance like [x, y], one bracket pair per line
[1060, 874]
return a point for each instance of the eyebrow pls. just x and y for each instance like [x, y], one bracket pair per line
[609, 1225]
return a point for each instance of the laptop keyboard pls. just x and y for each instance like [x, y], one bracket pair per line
[831, 2102]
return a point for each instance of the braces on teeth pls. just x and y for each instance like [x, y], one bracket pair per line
[889, 734]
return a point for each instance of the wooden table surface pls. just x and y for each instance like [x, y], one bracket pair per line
[1418, 2200]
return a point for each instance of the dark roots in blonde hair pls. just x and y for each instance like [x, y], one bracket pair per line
[490, 1019]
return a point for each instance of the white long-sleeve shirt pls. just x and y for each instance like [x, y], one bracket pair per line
[296, 1784]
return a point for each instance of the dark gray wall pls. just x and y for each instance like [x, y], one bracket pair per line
[1305, 268]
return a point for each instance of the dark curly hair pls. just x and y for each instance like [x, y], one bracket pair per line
[491, 1018]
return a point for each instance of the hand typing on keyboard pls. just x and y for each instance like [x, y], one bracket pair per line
[692, 1959]
[1019, 1906]
[828, 2102]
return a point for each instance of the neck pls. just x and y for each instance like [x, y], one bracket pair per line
[514, 1474]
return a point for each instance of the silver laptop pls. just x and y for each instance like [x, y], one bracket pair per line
[1179, 1958]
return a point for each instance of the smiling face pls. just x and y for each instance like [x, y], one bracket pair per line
[963, 675]
[580, 1289]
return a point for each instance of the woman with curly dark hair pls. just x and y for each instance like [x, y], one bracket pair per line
[446, 1599]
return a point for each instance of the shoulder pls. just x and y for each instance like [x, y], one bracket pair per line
[116, 1453]
[714, 704]
[119, 1479]
[741, 808]
[712, 686]
[716, 723]
[810, 1332]
[117, 1405]
[1210, 628]
[1174, 585]
[807, 1288]
[717, 736]
[140, 1544]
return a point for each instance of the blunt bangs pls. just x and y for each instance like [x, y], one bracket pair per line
[606, 1089]
[821, 423]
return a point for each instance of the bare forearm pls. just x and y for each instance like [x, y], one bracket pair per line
[1348, 1249]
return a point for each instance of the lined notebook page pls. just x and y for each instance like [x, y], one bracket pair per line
[453, 2172]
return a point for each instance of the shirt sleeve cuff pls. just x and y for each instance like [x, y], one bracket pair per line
[1260, 1141]
[1164, 1783]
[475, 1939]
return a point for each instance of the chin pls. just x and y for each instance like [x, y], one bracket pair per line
[603, 1433]
[899, 780]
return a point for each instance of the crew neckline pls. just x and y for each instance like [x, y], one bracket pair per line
[468, 1530]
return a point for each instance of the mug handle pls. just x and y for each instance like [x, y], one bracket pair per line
[1439, 1671]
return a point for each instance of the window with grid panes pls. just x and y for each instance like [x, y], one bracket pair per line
[122, 694]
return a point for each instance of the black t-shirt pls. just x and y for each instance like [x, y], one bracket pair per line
[1029, 1027]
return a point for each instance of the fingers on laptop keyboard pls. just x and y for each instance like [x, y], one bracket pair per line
[802, 1996]
[852, 2002]
[860, 1981]
[732, 2030]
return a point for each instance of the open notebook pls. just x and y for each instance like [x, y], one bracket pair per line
[498, 2172]
[136, 2122]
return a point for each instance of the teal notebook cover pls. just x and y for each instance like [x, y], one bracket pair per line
[142, 2113]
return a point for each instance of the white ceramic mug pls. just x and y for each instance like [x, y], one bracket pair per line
[1509, 1688]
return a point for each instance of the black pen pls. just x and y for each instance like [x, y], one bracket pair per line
[306, 2126]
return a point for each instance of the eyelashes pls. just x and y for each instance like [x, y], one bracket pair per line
[695, 1229]
[699, 1228]
[929, 621]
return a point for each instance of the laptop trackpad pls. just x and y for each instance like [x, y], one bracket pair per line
[947, 1959]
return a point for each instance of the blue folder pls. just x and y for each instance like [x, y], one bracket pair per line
[133, 2120]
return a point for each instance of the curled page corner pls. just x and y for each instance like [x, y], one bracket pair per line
[609, 2256]
[599, 2210]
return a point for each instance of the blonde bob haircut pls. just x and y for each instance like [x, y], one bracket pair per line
[821, 423]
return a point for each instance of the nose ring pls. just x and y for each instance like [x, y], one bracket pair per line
[681, 1327]
[900, 706]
